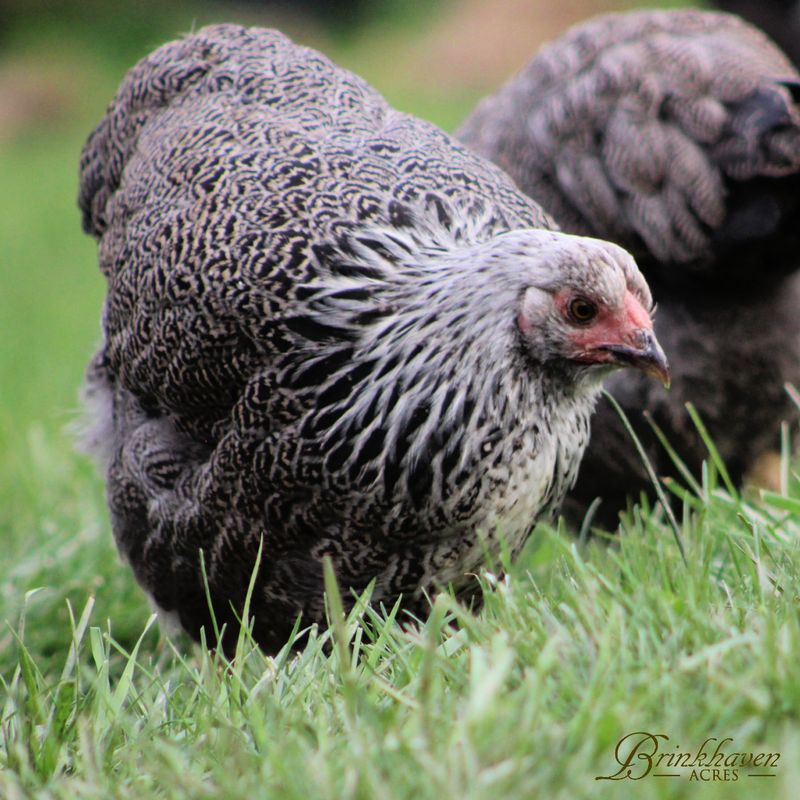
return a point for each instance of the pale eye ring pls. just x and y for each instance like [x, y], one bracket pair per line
[582, 311]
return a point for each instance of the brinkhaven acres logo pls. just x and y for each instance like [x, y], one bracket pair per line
[642, 754]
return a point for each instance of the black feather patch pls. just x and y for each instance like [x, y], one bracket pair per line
[316, 331]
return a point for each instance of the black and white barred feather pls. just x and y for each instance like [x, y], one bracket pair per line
[310, 336]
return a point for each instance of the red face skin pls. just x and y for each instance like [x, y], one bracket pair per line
[623, 336]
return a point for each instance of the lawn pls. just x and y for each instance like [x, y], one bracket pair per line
[581, 644]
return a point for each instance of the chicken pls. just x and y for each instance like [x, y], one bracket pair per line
[330, 330]
[677, 135]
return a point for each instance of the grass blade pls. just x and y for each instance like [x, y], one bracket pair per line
[651, 474]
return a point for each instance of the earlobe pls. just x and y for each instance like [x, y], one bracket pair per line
[523, 323]
[533, 309]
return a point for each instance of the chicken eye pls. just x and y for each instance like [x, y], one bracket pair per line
[582, 310]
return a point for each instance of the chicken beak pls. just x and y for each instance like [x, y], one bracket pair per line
[646, 356]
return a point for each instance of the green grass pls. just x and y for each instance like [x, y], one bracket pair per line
[582, 644]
